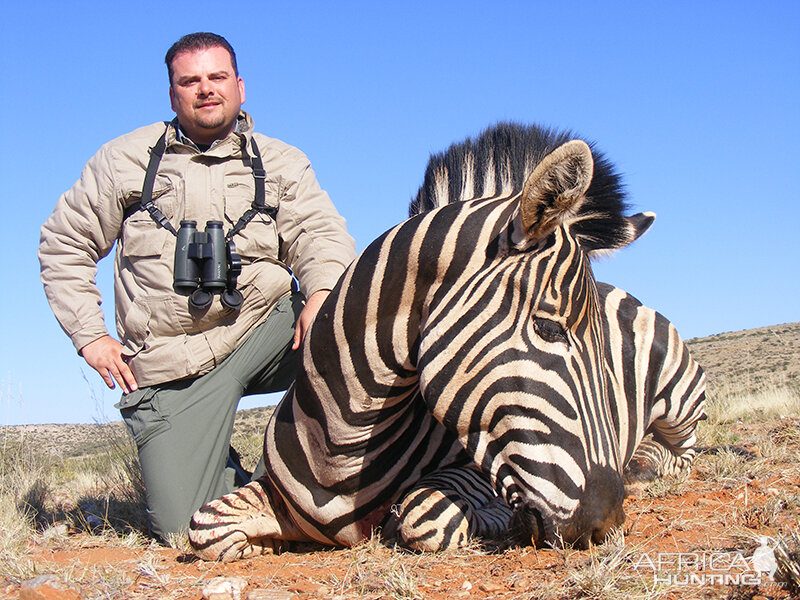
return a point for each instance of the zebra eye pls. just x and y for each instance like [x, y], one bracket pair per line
[550, 331]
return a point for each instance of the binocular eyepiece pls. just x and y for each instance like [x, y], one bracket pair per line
[205, 264]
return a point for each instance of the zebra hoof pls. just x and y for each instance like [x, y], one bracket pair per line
[239, 525]
[237, 546]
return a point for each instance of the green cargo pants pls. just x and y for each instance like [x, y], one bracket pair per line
[182, 429]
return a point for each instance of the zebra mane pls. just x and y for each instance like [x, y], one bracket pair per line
[498, 162]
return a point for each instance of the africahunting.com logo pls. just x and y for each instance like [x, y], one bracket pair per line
[711, 568]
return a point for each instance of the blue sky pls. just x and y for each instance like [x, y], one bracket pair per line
[695, 102]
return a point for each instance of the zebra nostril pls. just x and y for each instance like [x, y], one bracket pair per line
[527, 526]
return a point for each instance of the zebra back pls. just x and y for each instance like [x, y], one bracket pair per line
[658, 389]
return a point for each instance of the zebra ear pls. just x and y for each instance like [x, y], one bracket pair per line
[635, 227]
[556, 188]
[638, 225]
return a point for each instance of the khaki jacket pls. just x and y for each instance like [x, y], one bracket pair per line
[163, 338]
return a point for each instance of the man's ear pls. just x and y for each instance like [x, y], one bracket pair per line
[172, 99]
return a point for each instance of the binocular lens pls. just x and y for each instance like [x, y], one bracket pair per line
[232, 299]
[201, 299]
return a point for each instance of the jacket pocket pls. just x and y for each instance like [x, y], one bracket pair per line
[143, 237]
[134, 328]
[259, 238]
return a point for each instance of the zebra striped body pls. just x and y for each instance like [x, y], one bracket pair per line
[468, 342]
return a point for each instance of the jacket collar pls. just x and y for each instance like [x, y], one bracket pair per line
[229, 146]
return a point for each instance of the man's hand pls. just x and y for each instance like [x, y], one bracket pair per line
[307, 315]
[104, 355]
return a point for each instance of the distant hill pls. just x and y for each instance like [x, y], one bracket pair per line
[751, 358]
[746, 360]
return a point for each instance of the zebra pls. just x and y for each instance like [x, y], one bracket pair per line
[467, 339]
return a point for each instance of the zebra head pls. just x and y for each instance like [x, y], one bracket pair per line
[511, 353]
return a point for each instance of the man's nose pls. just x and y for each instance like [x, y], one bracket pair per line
[205, 88]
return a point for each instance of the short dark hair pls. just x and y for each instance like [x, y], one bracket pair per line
[201, 40]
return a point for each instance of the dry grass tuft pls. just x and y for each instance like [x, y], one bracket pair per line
[47, 497]
[23, 491]
[727, 403]
[787, 554]
[736, 445]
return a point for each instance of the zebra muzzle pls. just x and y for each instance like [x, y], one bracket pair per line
[600, 510]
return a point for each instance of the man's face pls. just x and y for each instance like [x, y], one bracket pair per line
[205, 93]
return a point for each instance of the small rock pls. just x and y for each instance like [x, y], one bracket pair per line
[521, 584]
[269, 594]
[466, 586]
[94, 524]
[303, 587]
[47, 587]
[59, 530]
[224, 588]
[307, 587]
[491, 587]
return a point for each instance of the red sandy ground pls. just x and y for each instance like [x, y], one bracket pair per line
[700, 519]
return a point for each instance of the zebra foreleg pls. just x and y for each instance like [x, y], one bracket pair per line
[446, 510]
[249, 521]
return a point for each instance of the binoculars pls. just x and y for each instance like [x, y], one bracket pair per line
[205, 264]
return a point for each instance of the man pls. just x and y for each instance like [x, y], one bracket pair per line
[183, 364]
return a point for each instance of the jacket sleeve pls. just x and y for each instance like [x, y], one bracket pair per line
[315, 242]
[81, 231]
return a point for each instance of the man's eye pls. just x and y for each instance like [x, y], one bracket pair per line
[550, 331]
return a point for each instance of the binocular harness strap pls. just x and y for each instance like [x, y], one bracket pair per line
[259, 202]
[260, 206]
[146, 202]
